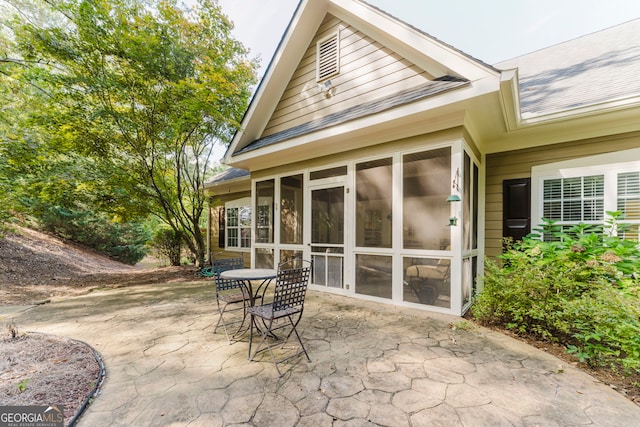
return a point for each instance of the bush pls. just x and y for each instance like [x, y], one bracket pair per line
[580, 289]
[124, 242]
[168, 244]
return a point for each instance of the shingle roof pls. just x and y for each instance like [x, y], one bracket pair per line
[227, 175]
[595, 68]
[401, 98]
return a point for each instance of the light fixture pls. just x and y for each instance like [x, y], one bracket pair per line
[456, 186]
[453, 221]
[326, 88]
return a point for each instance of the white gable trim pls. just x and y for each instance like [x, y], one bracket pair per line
[424, 51]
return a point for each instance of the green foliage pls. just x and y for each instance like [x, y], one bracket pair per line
[124, 242]
[580, 287]
[135, 93]
[22, 386]
[168, 244]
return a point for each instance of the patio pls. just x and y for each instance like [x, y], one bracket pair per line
[372, 364]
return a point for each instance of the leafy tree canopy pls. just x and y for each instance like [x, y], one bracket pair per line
[133, 93]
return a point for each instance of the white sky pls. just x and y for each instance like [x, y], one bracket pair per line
[489, 30]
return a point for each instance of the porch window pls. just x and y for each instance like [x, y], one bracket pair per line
[373, 275]
[264, 211]
[427, 281]
[291, 209]
[426, 185]
[374, 203]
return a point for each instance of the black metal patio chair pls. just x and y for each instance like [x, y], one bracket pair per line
[283, 312]
[229, 293]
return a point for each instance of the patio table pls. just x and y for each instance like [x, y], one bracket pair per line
[246, 277]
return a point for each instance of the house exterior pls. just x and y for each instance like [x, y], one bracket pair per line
[397, 163]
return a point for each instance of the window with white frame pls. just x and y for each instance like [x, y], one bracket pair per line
[574, 200]
[238, 224]
[628, 202]
[584, 190]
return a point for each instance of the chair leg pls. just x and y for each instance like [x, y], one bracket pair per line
[264, 333]
[294, 329]
[221, 311]
[251, 323]
[264, 342]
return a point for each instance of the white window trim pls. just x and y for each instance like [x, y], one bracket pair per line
[609, 165]
[238, 203]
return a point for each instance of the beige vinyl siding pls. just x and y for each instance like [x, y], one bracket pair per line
[216, 202]
[368, 71]
[518, 164]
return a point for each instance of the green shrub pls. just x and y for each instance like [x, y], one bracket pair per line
[168, 244]
[124, 242]
[581, 289]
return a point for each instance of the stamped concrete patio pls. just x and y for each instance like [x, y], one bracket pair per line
[372, 364]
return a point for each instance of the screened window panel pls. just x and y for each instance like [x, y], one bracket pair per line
[426, 184]
[374, 203]
[264, 211]
[291, 211]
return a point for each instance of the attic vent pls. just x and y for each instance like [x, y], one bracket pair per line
[328, 57]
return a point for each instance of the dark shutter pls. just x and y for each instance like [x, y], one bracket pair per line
[221, 228]
[516, 208]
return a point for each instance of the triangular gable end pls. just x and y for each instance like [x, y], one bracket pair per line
[370, 75]
[365, 71]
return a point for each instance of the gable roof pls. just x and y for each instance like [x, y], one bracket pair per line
[593, 69]
[227, 175]
[447, 66]
[362, 110]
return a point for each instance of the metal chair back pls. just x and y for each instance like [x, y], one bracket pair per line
[224, 264]
[291, 286]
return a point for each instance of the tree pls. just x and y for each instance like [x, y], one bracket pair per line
[143, 89]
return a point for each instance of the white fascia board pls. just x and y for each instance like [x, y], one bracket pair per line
[293, 45]
[510, 98]
[447, 110]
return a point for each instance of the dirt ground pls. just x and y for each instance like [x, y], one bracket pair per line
[36, 268]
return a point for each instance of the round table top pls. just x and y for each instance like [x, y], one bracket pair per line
[249, 274]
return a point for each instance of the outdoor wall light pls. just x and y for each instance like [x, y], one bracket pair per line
[453, 221]
[453, 198]
[326, 88]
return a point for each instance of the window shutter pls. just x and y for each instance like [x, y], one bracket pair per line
[221, 228]
[328, 57]
[516, 209]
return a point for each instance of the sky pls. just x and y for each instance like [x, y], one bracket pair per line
[489, 30]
